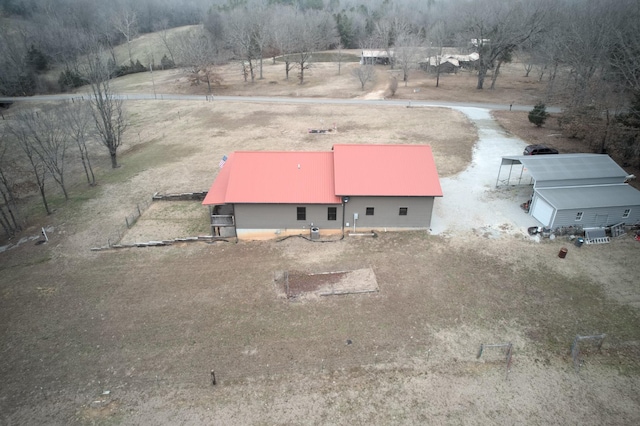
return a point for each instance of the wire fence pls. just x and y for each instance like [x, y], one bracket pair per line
[596, 342]
[117, 234]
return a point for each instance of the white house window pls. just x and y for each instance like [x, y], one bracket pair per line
[332, 213]
[369, 211]
[403, 211]
[578, 216]
[302, 213]
[626, 213]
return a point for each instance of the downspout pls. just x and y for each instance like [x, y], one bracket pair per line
[210, 220]
[345, 200]
[235, 222]
[343, 209]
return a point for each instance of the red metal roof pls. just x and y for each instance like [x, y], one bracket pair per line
[323, 177]
[296, 177]
[386, 170]
[218, 192]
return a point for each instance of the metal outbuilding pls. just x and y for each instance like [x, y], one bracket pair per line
[586, 190]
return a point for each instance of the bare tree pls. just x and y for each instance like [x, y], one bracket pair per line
[408, 49]
[625, 57]
[48, 141]
[197, 53]
[364, 74]
[106, 107]
[313, 31]
[387, 31]
[15, 77]
[497, 28]
[162, 30]
[22, 136]
[9, 216]
[260, 18]
[126, 22]
[339, 56]
[282, 36]
[601, 46]
[506, 57]
[437, 37]
[586, 43]
[239, 34]
[78, 119]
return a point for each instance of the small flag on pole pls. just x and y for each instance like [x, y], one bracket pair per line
[224, 160]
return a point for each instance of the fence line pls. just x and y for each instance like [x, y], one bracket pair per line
[129, 221]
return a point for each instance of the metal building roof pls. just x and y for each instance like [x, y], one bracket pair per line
[294, 177]
[275, 177]
[586, 197]
[218, 192]
[569, 167]
[386, 170]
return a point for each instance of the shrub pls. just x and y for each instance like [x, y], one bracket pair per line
[70, 80]
[538, 115]
[36, 60]
[132, 68]
[166, 63]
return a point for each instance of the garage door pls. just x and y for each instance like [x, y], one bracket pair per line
[542, 211]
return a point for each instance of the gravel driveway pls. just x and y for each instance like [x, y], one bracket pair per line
[471, 201]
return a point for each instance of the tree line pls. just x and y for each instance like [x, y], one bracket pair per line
[593, 40]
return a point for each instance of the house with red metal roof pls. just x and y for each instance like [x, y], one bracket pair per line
[353, 187]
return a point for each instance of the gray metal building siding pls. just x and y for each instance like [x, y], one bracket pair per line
[596, 217]
[386, 212]
[284, 216]
[585, 197]
[601, 205]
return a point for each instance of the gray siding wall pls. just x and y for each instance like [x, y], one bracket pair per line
[386, 212]
[603, 216]
[284, 216]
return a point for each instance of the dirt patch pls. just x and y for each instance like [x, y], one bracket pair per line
[296, 284]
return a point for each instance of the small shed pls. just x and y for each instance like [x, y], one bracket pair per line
[375, 57]
[587, 190]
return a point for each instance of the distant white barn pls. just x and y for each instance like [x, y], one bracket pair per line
[375, 57]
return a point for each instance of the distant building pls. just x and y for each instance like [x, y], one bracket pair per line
[375, 57]
[262, 194]
[449, 63]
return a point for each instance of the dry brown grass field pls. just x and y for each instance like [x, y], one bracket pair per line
[130, 336]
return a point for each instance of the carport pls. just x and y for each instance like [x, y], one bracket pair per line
[573, 189]
[559, 170]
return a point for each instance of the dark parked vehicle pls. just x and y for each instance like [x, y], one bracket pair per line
[539, 150]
